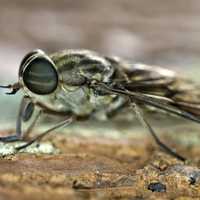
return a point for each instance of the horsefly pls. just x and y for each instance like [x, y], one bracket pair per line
[78, 84]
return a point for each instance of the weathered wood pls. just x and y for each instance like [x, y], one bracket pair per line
[100, 168]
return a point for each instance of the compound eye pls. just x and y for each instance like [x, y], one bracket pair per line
[40, 76]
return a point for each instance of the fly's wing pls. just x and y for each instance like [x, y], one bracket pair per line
[163, 89]
[154, 80]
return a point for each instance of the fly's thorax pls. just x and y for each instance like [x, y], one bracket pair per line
[77, 66]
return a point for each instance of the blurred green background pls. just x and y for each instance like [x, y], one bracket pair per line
[154, 32]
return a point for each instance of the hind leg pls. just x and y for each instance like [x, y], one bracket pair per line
[145, 123]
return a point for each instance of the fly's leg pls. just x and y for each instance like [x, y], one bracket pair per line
[118, 103]
[10, 138]
[39, 137]
[143, 121]
[25, 113]
[32, 125]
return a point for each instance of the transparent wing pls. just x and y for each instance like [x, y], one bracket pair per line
[152, 80]
[159, 82]
[175, 105]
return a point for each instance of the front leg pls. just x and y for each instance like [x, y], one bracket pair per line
[66, 122]
[25, 112]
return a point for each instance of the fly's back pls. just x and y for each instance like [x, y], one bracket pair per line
[76, 66]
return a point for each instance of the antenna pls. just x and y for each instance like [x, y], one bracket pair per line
[15, 88]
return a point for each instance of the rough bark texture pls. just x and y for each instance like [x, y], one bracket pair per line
[101, 168]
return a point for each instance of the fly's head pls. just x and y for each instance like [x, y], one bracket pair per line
[43, 80]
[38, 77]
[38, 74]
[64, 77]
